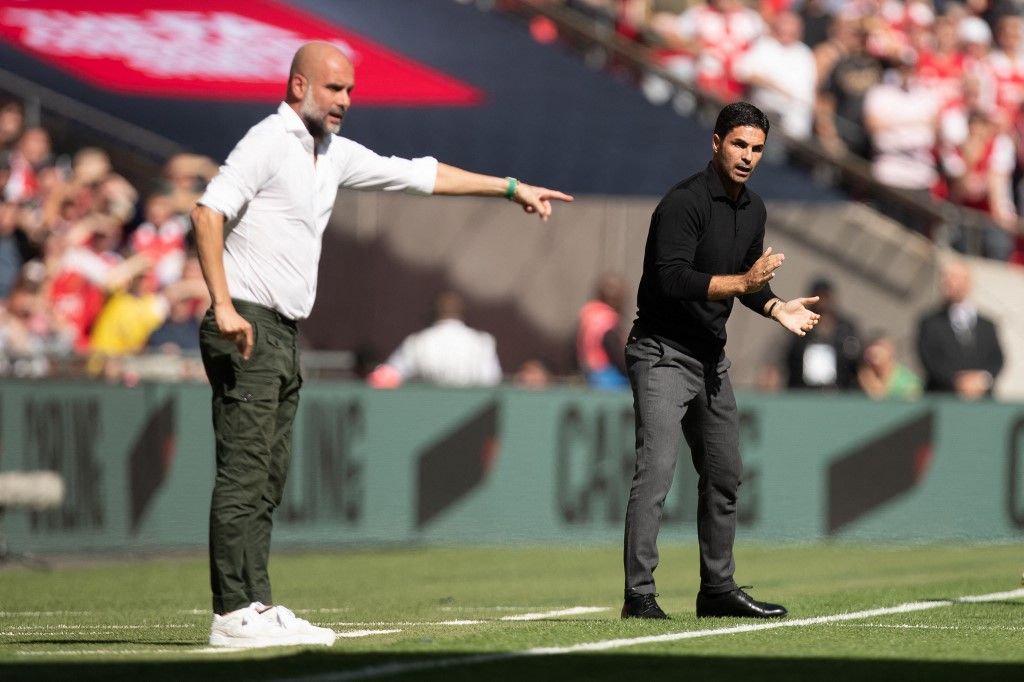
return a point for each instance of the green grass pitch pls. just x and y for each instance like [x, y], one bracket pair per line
[456, 614]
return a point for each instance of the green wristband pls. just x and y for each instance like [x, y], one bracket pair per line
[510, 191]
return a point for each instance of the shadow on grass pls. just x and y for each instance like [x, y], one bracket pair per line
[126, 642]
[326, 666]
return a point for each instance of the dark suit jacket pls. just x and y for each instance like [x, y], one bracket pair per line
[943, 355]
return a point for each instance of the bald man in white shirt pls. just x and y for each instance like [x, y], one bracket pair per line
[277, 189]
[447, 353]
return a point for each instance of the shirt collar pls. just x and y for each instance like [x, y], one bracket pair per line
[717, 189]
[965, 313]
[294, 125]
[449, 322]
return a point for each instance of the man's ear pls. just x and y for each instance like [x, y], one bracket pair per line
[716, 142]
[297, 84]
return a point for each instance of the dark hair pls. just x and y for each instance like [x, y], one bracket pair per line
[821, 285]
[740, 114]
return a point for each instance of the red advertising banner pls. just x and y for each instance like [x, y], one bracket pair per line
[215, 49]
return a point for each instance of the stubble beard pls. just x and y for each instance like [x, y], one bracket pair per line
[316, 118]
[727, 168]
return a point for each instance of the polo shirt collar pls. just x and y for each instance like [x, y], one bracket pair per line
[717, 189]
[294, 125]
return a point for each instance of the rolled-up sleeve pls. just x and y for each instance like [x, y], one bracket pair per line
[249, 166]
[363, 169]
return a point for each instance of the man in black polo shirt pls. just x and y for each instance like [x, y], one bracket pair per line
[704, 248]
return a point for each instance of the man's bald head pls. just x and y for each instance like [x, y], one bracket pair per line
[320, 81]
[956, 281]
[310, 59]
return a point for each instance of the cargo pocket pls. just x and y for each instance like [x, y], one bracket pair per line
[249, 409]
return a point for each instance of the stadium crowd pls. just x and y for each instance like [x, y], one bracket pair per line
[99, 277]
[929, 91]
[95, 272]
[89, 269]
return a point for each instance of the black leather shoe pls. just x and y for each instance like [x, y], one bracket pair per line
[736, 604]
[642, 606]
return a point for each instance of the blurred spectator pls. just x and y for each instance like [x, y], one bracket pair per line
[843, 37]
[185, 177]
[902, 119]
[600, 341]
[780, 72]
[976, 44]
[87, 267]
[881, 375]
[31, 153]
[828, 357]
[180, 331]
[1007, 68]
[704, 42]
[131, 315]
[978, 164]
[11, 257]
[840, 108]
[958, 348]
[81, 195]
[448, 353]
[941, 62]
[161, 239]
[817, 17]
[992, 10]
[30, 329]
[532, 374]
[12, 122]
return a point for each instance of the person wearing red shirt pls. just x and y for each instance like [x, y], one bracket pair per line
[599, 339]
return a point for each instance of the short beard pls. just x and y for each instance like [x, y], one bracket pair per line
[316, 120]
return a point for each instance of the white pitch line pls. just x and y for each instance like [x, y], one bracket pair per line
[372, 623]
[574, 611]
[365, 633]
[18, 614]
[994, 596]
[129, 652]
[499, 608]
[207, 612]
[61, 626]
[371, 672]
[539, 615]
[923, 626]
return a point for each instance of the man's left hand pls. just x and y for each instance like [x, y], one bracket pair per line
[794, 315]
[538, 199]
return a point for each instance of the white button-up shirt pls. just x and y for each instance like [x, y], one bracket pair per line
[277, 202]
[448, 353]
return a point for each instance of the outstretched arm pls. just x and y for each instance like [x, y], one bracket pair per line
[455, 181]
[794, 315]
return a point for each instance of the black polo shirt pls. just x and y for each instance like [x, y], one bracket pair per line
[697, 231]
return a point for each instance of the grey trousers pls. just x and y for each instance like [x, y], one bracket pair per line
[675, 395]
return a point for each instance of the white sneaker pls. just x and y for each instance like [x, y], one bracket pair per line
[284, 618]
[248, 628]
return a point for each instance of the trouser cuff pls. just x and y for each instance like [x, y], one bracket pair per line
[720, 588]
